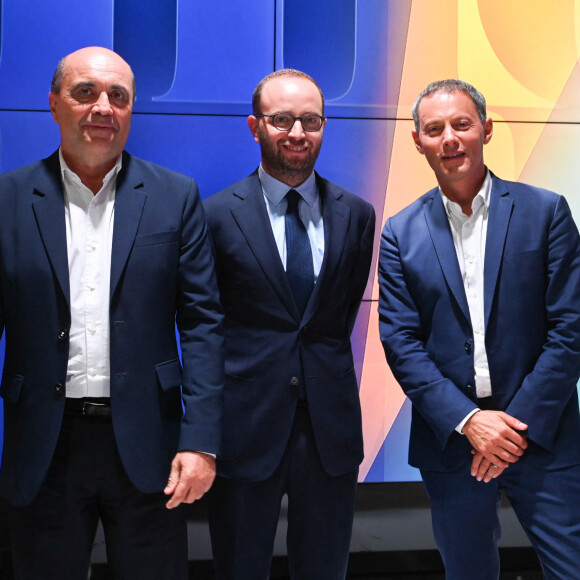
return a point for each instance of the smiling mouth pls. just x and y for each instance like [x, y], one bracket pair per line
[296, 149]
[453, 155]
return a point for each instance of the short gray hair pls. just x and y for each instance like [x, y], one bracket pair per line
[57, 77]
[450, 86]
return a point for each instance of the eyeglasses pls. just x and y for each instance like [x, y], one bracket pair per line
[285, 121]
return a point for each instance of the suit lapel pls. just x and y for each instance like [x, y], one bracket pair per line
[48, 208]
[438, 226]
[500, 211]
[129, 203]
[252, 218]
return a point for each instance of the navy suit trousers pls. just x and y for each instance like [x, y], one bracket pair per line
[244, 516]
[467, 528]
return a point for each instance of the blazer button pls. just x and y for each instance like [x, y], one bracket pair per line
[294, 381]
[58, 389]
[467, 346]
[63, 334]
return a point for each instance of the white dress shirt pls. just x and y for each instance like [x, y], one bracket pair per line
[469, 237]
[89, 238]
[309, 209]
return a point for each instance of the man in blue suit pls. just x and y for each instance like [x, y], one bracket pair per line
[100, 254]
[293, 253]
[480, 320]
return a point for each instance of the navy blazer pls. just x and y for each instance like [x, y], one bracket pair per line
[532, 323]
[161, 268]
[265, 339]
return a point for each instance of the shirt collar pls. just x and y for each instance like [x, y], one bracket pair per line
[481, 199]
[67, 172]
[276, 190]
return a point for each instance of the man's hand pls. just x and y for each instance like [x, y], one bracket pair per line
[191, 476]
[495, 435]
[483, 469]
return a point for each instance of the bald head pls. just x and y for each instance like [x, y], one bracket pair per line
[82, 55]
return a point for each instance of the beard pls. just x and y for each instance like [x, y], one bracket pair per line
[285, 169]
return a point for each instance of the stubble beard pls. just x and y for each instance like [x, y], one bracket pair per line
[285, 170]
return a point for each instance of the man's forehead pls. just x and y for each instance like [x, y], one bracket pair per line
[96, 66]
[290, 84]
[443, 101]
[93, 82]
[75, 78]
[297, 89]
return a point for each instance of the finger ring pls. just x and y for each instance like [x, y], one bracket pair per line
[494, 465]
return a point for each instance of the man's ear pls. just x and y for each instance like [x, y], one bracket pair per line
[52, 100]
[487, 130]
[253, 125]
[417, 140]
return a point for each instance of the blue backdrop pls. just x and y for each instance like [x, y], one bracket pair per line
[196, 63]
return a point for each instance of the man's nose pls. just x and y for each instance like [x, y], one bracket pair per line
[103, 106]
[297, 129]
[449, 135]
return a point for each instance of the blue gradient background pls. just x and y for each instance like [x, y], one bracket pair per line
[196, 64]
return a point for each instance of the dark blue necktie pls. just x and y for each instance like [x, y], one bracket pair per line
[299, 266]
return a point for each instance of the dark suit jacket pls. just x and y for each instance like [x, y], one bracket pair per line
[265, 338]
[532, 320]
[161, 267]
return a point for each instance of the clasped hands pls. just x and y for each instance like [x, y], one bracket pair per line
[497, 441]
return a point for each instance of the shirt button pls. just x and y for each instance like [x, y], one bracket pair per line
[294, 381]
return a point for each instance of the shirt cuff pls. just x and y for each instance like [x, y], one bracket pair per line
[206, 453]
[459, 427]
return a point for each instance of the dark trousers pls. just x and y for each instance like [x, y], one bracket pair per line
[466, 524]
[5, 549]
[52, 538]
[243, 516]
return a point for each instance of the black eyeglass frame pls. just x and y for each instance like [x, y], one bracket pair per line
[274, 115]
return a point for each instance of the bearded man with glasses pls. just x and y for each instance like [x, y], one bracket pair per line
[293, 253]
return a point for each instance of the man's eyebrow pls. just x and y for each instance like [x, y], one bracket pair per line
[83, 84]
[120, 88]
[90, 84]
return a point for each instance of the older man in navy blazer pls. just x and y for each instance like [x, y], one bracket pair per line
[480, 319]
[100, 254]
[293, 253]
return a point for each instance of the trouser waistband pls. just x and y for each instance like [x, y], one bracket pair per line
[91, 407]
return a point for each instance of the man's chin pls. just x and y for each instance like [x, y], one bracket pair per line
[299, 167]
